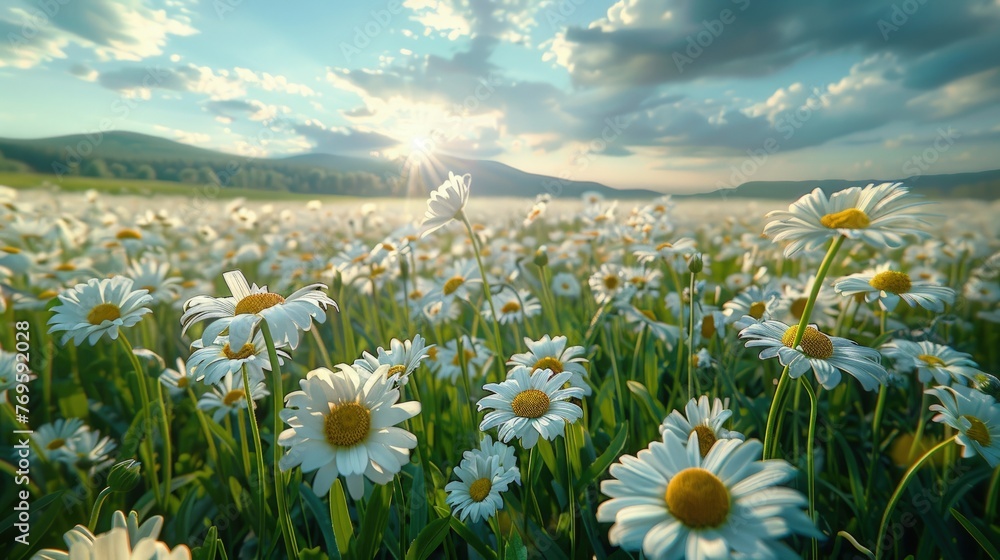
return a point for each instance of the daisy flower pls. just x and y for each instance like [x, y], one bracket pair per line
[701, 418]
[513, 307]
[888, 287]
[153, 276]
[126, 539]
[403, 358]
[449, 360]
[446, 203]
[826, 355]
[932, 361]
[528, 405]
[53, 439]
[879, 215]
[664, 250]
[249, 304]
[552, 354]
[99, 307]
[213, 362]
[177, 380]
[504, 453]
[458, 282]
[670, 502]
[476, 493]
[565, 284]
[762, 304]
[608, 282]
[90, 451]
[975, 415]
[228, 396]
[343, 422]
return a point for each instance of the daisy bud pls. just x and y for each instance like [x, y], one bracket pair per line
[695, 265]
[124, 476]
[988, 384]
[541, 257]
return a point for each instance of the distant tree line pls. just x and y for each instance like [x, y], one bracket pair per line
[237, 172]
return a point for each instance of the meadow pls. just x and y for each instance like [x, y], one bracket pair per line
[463, 377]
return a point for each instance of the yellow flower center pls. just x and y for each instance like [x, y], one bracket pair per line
[510, 307]
[697, 498]
[479, 489]
[611, 282]
[233, 397]
[65, 267]
[757, 309]
[55, 444]
[129, 233]
[892, 281]
[548, 362]
[347, 424]
[453, 284]
[531, 403]
[978, 432]
[48, 294]
[103, 312]
[814, 343]
[255, 303]
[183, 382]
[416, 294]
[852, 218]
[432, 353]
[798, 307]
[706, 438]
[245, 352]
[11, 250]
[708, 326]
[306, 257]
[932, 361]
[665, 245]
[396, 369]
[469, 354]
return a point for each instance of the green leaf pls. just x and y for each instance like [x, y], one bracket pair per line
[429, 539]
[985, 542]
[322, 515]
[649, 404]
[375, 519]
[417, 506]
[595, 469]
[340, 518]
[857, 546]
[315, 553]
[43, 514]
[515, 547]
[472, 540]
[207, 549]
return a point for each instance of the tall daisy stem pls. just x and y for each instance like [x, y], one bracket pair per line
[278, 398]
[502, 356]
[690, 362]
[259, 452]
[771, 430]
[880, 544]
[147, 428]
[811, 457]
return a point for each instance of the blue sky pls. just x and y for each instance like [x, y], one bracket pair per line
[673, 95]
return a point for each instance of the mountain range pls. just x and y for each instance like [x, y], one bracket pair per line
[134, 155]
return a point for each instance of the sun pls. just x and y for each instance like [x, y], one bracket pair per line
[421, 149]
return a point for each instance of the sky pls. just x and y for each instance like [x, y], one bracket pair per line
[672, 95]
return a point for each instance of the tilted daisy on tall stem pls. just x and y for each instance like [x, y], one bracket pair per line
[445, 204]
[101, 308]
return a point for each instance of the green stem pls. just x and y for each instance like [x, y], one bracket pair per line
[919, 435]
[259, 452]
[879, 548]
[570, 489]
[501, 355]
[690, 361]
[278, 398]
[96, 512]
[771, 431]
[213, 453]
[147, 439]
[811, 456]
[876, 440]
[168, 464]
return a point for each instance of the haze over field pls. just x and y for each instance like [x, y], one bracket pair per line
[666, 95]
